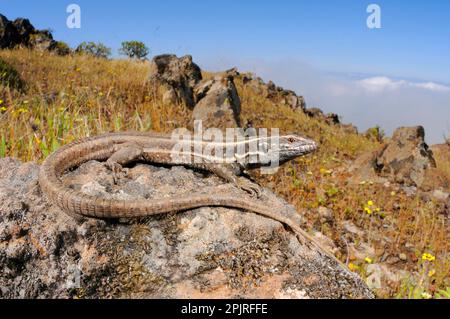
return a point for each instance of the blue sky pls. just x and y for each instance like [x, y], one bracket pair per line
[326, 37]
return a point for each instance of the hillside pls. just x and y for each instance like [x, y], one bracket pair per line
[395, 234]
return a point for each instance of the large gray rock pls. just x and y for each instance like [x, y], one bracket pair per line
[206, 252]
[178, 75]
[405, 159]
[218, 103]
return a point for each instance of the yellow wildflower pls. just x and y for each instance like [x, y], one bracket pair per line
[325, 171]
[429, 257]
[309, 173]
[352, 267]
[378, 209]
[370, 203]
[368, 210]
[37, 139]
[362, 183]
[368, 260]
[1, 101]
[426, 295]
[3, 109]
[393, 193]
[431, 273]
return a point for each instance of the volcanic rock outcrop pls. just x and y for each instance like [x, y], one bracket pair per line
[201, 253]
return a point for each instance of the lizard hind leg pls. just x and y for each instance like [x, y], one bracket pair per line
[123, 155]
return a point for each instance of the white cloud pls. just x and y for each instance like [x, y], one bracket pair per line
[434, 87]
[381, 83]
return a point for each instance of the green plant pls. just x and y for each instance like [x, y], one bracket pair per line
[98, 50]
[134, 50]
[375, 133]
[443, 294]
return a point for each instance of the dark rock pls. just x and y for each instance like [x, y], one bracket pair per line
[200, 253]
[178, 74]
[9, 37]
[24, 29]
[22, 32]
[314, 112]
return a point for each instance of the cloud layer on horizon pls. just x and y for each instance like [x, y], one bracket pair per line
[364, 101]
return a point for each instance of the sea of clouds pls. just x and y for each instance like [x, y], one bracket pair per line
[364, 100]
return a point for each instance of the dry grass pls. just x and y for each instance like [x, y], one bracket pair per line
[77, 96]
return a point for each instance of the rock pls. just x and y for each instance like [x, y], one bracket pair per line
[42, 40]
[314, 112]
[201, 253]
[9, 36]
[218, 103]
[22, 32]
[441, 195]
[373, 279]
[170, 97]
[352, 228]
[380, 275]
[291, 99]
[275, 93]
[178, 74]
[402, 256]
[24, 29]
[405, 159]
[332, 119]
[325, 213]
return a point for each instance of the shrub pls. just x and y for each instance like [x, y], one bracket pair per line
[375, 134]
[61, 48]
[98, 50]
[9, 77]
[134, 50]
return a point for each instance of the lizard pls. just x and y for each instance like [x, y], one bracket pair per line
[120, 149]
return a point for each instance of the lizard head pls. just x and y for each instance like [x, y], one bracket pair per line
[292, 146]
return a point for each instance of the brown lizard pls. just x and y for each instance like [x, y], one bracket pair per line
[119, 149]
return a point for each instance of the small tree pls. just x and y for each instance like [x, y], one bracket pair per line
[134, 50]
[98, 50]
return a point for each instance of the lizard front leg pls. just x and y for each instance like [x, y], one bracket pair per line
[230, 173]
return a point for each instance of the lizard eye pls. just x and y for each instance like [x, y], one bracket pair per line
[291, 140]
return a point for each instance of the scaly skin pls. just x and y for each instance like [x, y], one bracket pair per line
[121, 148]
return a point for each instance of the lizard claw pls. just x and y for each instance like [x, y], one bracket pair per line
[116, 169]
[252, 189]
